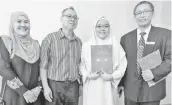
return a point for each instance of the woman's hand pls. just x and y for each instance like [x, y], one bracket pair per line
[93, 76]
[37, 90]
[105, 76]
[29, 96]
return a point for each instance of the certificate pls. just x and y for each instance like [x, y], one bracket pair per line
[149, 62]
[101, 58]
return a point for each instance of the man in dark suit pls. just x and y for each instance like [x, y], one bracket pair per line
[137, 44]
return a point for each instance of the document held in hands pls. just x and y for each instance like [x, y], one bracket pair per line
[101, 58]
[149, 62]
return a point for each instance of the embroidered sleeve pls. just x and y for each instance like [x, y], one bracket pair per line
[8, 73]
[14, 83]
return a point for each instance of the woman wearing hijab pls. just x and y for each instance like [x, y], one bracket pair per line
[100, 88]
[19, 63]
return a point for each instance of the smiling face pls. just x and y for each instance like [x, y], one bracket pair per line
[143, 15]
[21, 25]
[69, 19]
[102, 29]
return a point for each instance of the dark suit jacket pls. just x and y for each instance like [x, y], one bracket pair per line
[138, 90]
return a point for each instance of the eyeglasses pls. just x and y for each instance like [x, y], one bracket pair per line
[146, 12]
[102, 26]
[70, 17]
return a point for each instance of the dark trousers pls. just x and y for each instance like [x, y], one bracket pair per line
[64, 93]
[130, 102]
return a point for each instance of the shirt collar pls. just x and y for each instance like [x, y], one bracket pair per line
[62, 35]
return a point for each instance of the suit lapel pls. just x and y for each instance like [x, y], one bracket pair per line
[133, 44]
[152, 37]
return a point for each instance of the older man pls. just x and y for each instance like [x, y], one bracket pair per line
[60, 58]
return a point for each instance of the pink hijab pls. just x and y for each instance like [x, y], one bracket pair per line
[22, 46]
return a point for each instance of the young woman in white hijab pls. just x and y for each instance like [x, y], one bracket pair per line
[19, 63]
[101, 88]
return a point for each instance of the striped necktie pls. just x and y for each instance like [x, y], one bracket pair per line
[140, 49]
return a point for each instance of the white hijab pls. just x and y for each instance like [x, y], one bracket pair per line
[22, 46]
[118, 52]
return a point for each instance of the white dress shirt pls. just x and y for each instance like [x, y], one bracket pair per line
[145, 36]
[146, 74]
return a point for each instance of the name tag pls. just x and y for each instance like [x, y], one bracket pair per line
[150, 42]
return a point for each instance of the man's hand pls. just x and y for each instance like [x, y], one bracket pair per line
[48, 94]
[147, 75]
[120, 90]
[80, 90]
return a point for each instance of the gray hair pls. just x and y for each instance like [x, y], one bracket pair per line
[72, 8]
